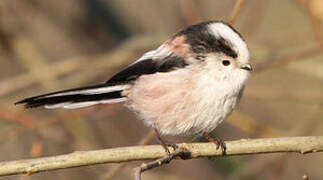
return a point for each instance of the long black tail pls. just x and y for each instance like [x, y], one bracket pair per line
[78, 97]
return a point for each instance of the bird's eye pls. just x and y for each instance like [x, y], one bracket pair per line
[226, 62]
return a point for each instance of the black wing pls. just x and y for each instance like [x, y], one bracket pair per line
[147, 66]
[111, 90]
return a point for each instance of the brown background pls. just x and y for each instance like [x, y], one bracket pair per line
[52, 45]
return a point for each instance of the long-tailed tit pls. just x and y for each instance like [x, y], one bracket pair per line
[188, 85]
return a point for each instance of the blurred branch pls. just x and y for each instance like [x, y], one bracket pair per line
[236, 11]
[26, 122]
[34, 62]
[13, 116]
[251, 24]
[315, 21]
[113, 59]
[282, 60]
[37, 147]
[125, 154]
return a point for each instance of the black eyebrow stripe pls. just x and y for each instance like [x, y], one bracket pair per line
[221, 45]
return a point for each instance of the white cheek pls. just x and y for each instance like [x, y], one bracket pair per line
[239, 77]
[234, 74]
[231, 74]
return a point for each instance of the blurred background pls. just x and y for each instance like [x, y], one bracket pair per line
[53, 45]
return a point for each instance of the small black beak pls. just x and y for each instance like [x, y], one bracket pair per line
[247, 67]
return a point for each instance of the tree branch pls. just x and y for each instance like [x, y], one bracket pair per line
[124, 154]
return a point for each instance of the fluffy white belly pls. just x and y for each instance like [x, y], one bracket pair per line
[179, 103]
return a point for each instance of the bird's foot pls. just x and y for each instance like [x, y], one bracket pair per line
[219, 142]
[165, 144]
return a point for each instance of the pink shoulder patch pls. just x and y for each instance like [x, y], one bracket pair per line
[179, 46]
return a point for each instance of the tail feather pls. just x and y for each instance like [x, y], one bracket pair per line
[78, 97]
[88, 103]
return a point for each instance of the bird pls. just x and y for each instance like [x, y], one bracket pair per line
[188, 85]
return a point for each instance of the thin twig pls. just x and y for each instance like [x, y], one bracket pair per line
[197, 150]
[146, 140]
[180, 152]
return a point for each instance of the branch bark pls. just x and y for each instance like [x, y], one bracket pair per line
[125, 154]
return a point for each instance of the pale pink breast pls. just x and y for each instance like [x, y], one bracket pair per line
[160, 97]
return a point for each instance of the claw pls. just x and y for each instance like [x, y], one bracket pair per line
[219, 142]
[174, 146]
[164, 144]
[165, 148]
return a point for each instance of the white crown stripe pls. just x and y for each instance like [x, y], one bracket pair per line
[224, 31]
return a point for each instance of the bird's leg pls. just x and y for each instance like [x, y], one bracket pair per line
[219, 142]
[165, 144]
